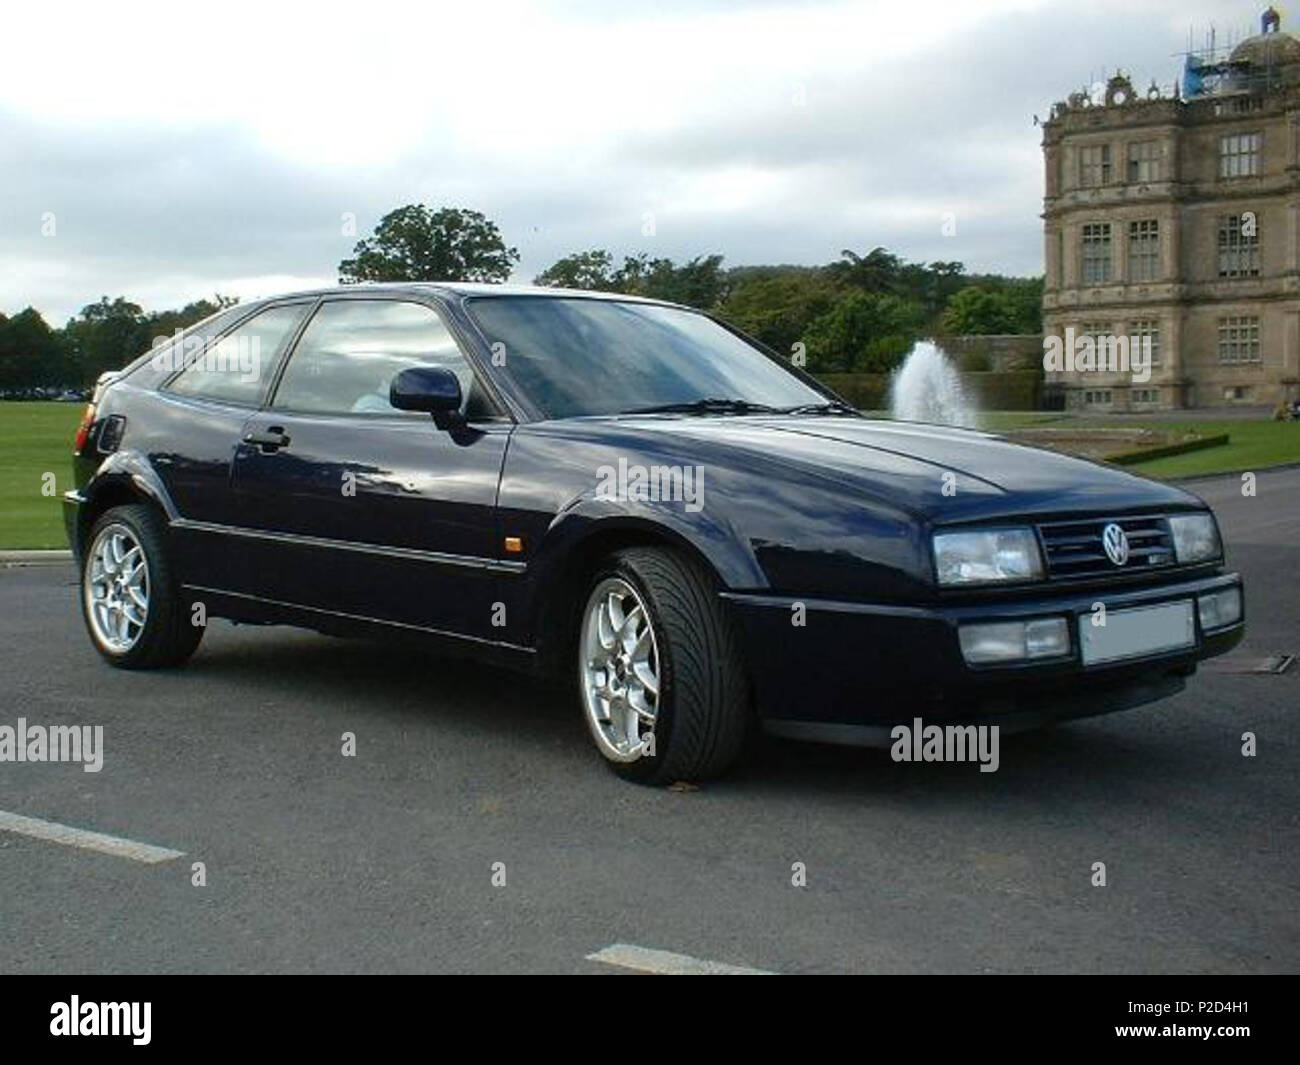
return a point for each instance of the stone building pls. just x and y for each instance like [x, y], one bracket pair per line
[1174, 216]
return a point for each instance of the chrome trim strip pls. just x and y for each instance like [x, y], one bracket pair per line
[298, 540]
[361, 617]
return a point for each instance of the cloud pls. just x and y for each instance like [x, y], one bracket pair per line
[182, 155]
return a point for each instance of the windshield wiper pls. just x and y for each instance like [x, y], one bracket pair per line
[833, 406]
[712, 405]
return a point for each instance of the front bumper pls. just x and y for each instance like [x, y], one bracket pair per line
[853, 670]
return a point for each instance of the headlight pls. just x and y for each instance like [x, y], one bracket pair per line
[991, 555]
[1196, 537]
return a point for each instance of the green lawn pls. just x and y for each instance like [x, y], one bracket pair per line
[35, 438]
[1251, 446]
[1001, 421]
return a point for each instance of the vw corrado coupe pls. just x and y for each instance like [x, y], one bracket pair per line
[634, 498]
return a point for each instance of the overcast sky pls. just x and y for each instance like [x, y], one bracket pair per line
[184, 149]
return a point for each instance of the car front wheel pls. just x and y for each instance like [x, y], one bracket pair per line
[660, 669]
[130, 598]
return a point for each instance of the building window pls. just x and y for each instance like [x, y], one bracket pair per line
[1096, 253]
[1144, 330]
[1144, 250]
[1099, 397]
[1094, 329]
[1239, 245]
[1146, 395]
[1094, 165]
[1239, 154]
[1144, 162]
[1239, 340]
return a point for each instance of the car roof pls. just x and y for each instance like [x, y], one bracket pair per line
[463, 289]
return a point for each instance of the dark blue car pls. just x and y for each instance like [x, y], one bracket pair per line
[634, 497]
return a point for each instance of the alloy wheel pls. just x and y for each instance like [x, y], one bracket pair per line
[619, 670]
[116, 587]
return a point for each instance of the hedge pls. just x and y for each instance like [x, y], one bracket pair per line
[1128, 458]
[1010, 390]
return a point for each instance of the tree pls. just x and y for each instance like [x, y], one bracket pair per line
[777, 307]
[980, 311]
[699, 282]
[877, 271]
[936, 285]
[106, 336]
[592, 270]
[415, 243]
[165, 323]
[31, 353]
[865, 332]
[1026, 297]
[929, 286]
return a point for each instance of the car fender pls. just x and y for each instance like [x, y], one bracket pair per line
[701, 533]
[133, 469]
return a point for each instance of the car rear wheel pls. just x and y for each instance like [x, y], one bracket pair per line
[660, 669]
[130, 599]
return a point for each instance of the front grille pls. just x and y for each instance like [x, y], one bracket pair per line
[1074, 548]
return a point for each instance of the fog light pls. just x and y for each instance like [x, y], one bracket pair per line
[1219, 608]
[1015, 641]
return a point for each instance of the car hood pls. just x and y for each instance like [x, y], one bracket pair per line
[905, 464]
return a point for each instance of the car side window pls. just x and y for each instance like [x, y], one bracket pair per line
[352, 349]
[235, 368]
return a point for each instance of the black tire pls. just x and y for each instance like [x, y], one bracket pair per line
[704, 712]
[168, 636]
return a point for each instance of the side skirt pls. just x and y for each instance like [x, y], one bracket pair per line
[255, 610]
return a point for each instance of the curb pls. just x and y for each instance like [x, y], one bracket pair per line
[35, 558]
[1235, 473]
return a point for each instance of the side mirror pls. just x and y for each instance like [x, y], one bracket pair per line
[430, 389]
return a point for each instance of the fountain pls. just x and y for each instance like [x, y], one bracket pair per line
[927, 388]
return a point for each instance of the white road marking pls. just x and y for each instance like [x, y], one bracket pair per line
[667, 963]
[86, 840]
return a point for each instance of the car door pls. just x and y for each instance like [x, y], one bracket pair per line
[217, 383]
[354, 508]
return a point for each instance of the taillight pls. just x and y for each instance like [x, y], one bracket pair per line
[83, 430]
[110, 434]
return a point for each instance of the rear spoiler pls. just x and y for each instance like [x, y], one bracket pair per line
[102, 382]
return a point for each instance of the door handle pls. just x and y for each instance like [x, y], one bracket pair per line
[272, 439]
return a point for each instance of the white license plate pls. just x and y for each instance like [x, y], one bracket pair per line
[1133, 633]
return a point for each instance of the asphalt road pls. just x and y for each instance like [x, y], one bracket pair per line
[384, 861]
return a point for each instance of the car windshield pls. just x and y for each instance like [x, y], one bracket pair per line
[573, 357]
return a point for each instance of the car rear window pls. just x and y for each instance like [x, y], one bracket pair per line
[147, 371]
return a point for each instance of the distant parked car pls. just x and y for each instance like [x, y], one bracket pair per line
[634, 497]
